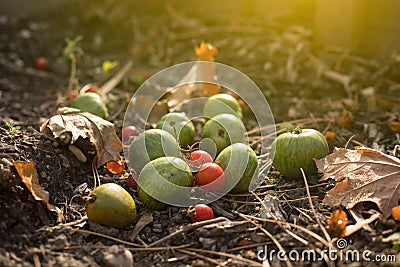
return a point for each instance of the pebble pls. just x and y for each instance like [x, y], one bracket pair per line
[157, 228]
[117, 257]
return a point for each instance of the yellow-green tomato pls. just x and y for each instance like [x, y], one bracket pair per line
[111, 205]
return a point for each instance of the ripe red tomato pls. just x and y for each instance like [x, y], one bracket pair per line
[201, 212]
[132, 181]
[115, 167]
[127, 132]
[41, 63]
[199, 157]
[210, 176]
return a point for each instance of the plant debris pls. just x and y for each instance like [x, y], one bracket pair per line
[71, 124]
[362, 175]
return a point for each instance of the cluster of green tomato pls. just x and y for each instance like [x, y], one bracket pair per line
[224, 164]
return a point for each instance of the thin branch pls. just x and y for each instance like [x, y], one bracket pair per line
[107, 237]
[248, 262]
[187, 228]
[324, 231]
[276, 242]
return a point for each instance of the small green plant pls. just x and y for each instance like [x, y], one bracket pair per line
[12, 129]
[73, 51]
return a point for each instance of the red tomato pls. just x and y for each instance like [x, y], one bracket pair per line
[127, 132]
[210, 176]
[201, 212]
[199, 157]
[115, 167]
[132, 181]
[41, 63]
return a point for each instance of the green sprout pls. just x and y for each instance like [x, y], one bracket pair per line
[72, 51]
[12, 129]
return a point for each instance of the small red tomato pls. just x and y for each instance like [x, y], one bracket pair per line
[201, 212]
[127, 132]
[210, 176]
[115, 167]
[199, 157]
[132, 181]
[41, 63]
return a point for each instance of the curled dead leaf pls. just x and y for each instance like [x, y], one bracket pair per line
[28, 174]
[79, 124]
[362, 175]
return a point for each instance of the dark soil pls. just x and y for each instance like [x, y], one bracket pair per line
[32, 236]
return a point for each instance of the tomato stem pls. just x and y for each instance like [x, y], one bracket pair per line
[297, 130]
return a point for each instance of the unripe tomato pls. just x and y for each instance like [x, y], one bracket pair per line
[210, 176]
[201, 212]
[111, 205]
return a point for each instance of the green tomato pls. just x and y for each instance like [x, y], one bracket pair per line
[240, 166]
[178, 123]
[157, 179]
[152, 144]
[220, 104]
[297, 149]
[90, 102]
[224, 130]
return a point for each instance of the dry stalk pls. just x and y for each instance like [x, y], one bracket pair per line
[276, 242]
[248, 262]
[107, 237]
[187, 228]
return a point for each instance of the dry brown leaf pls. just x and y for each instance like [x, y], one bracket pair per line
[101, 133]
[27, 172]
[362, 175]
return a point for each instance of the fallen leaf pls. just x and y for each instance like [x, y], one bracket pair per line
[329, 135]
[27, 172]
[205, 51]
[337, 223]
[200, 80]
[100, 132]
[363, 175]
[346, 118]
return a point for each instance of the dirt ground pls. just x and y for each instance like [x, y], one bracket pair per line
[308, 89]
